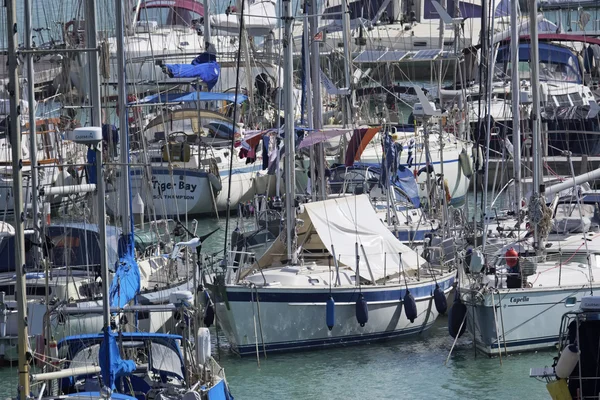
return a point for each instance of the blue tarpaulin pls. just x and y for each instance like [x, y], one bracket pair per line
[207, 72]
[192, 97]
[112, 366]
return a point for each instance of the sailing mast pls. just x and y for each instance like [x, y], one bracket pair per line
[316, 92]
[17, 165]
[290, 145]
[535, 115]
[206, 32]
[124, 198]
[515, 89]
[32, 133]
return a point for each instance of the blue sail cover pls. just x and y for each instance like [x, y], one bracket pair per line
[208, 72]
[126, 282]
[405, 180]
[112, 366]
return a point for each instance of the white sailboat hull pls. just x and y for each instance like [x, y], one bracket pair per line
[193, 192]
[526, 319]
[286, 319]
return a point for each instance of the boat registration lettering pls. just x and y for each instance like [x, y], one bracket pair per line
[162, 187]
[518, 300]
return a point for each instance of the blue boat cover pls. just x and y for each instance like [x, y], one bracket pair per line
[192, 97]
[208, 72]
[112, 366]
[126, 283]
[219, 392]
[405, 180]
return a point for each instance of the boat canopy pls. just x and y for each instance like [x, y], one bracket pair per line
[404, 179]
[557, 62]
[170, 12]
[335, 226]
[192, 97]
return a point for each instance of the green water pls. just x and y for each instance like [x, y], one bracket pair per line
[407, 369]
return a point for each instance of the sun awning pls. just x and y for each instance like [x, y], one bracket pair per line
[336, 225]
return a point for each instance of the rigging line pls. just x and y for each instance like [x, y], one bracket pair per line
[235, 111]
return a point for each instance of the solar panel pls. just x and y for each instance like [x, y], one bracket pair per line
[369, 56]
[392, 56]
[426, 54]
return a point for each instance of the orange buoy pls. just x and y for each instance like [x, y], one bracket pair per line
[512, 257]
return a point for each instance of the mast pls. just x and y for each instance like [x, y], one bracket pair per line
[515, 88]
[290, 148]
[124, 201]
[17, 165]
[535, 113]
[348, 98]
[32, 132]
[317, 100]
[207, 37]
[309, 109]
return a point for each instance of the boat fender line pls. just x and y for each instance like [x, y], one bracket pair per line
[465, 164]
[410, 306]
[215, 181]
[330, 313]
[362, 310]
[569, 358]
[441, 305]
[456, 316]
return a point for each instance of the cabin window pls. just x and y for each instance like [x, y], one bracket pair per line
[570, 301]
[563, 100]
[576, 99]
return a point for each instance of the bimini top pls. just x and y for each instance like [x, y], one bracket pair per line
[557, 63]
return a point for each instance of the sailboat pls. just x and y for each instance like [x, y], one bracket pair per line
[514, 302]
[336, 275]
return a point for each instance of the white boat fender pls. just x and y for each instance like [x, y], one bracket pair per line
[439, 298]
[465, 164]
[330, 313]
[569, 358]
[410, 306]
[362, 310]
[203, 346]
[456, 316]
[215, 182]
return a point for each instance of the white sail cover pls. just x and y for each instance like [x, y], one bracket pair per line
[260, 18]
[344, 221]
